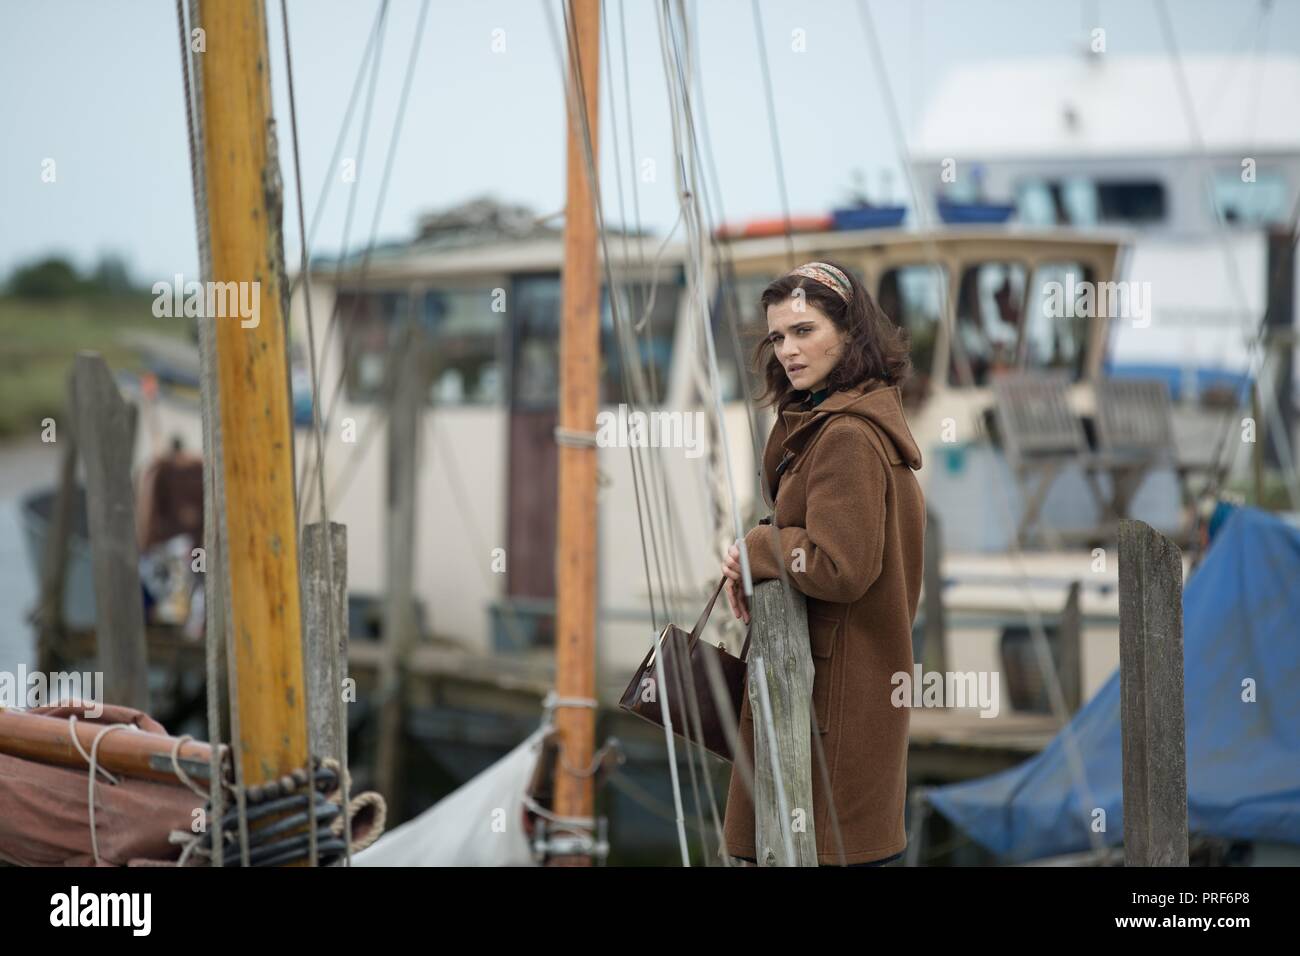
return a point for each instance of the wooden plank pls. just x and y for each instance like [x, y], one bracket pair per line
[781, 675]
[325, 612]
[104, 429]
[1151, 697]
[244, 219]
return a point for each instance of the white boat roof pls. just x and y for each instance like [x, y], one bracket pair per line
[398, 264]
[1111, 106]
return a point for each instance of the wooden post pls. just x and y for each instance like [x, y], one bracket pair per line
[399, 613]
[782, 751]
[325, 634]
[1257, 446]
[1151, 697]
[104, 428]
[1070, 636]
[575, 566]
[934, 650]
[256, 500]
[54, 563]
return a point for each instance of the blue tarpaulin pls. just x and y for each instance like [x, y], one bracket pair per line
[1241, 626]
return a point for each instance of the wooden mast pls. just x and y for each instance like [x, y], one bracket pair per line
[244, 207]
[575, 566]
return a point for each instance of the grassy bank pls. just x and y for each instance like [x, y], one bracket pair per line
[38, 340]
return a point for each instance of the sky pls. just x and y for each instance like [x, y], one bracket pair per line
[95, 86]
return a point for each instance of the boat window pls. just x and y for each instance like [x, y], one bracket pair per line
[464, 328]
[912, 296]
[1261, 202]
[370, 321]
[1131, 201]
[1056, 333]
[1078, 201]
[736, 313]
[652, 309]
[988, 318]
[536, 354]
[536, 328]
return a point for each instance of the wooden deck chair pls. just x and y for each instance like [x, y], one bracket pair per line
[1041, 435]
[1135, 434]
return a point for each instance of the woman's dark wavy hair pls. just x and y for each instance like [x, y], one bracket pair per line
[877, 348]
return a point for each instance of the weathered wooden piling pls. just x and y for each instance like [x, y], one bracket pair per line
[399, 612]
[325, 635]
[1151, 697]
[106, 429]
[780, 686]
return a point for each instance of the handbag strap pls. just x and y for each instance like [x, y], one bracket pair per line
[704, 617]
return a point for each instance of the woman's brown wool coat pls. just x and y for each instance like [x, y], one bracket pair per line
[850, 501]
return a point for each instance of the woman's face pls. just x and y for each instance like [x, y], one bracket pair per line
[807, 343]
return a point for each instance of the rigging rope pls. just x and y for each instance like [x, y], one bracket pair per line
[385, 179]
[216, 588]
[362, 140]
[332, 642]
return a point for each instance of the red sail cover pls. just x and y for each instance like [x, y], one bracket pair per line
[44, 818]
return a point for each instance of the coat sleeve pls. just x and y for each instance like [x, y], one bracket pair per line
[839, 554]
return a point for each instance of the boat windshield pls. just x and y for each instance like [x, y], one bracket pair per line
[1004, 323]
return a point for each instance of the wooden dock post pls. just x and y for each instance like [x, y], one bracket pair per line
[934, 650]
[105, 428]
[780, 681]
[1070, 636]
[400, 624]
[1151, 697]
[325, 635]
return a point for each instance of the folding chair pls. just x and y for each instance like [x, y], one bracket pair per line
[1041, 436]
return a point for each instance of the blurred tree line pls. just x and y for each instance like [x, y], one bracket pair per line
[55, 277]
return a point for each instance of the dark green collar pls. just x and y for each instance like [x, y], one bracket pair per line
[817, 397]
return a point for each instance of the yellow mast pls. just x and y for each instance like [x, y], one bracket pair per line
[243, 197]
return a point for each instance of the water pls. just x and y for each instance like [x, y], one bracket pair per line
[23, 467]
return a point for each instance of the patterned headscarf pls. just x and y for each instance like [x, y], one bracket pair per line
[827, 275]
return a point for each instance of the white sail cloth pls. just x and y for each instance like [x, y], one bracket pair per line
[479, 824]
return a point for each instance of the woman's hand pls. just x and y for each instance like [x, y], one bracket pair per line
[735, 586]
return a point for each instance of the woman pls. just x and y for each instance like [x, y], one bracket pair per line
[848, 528]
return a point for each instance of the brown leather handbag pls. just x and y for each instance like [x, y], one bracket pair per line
[686, 668]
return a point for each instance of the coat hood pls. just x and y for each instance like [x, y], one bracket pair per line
[880, 404]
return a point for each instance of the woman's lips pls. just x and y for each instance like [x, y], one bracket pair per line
[796, 369]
